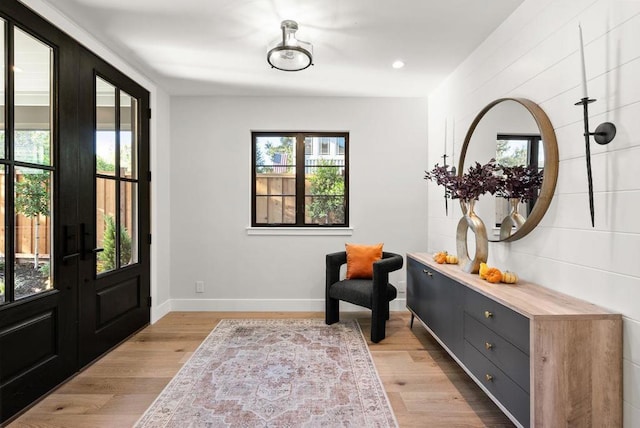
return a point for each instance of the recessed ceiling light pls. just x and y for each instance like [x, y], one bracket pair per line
[397, 64]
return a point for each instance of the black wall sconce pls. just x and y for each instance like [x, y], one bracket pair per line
[604, 133]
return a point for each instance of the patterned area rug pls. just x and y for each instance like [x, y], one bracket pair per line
[276, 373]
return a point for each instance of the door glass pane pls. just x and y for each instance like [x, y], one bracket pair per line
[32, 231]
[105, 128]
[128, 223]
[32, 79]
[275, 180]
[106, 224]
[3, 67]
[2, 241]
[324, 182]
[128, 135]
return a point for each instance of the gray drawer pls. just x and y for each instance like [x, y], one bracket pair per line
[504, 321]
[512, 397]
[494, 347]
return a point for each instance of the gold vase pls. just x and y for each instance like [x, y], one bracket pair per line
[514, 218]
[471, 221]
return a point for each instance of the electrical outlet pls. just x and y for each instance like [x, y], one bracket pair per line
[199, 286]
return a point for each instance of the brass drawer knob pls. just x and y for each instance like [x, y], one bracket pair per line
[488, 377]
[488, 314]
[427, 272]
[488, 345]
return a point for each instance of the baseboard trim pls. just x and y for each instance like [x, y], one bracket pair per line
[158, 311]
[261, 305]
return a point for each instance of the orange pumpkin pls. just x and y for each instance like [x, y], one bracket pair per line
[494, 275]
[440, 257]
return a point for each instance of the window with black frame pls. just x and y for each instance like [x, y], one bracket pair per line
[300, 179]
[514, 150]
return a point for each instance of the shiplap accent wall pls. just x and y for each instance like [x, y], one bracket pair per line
[535, 54]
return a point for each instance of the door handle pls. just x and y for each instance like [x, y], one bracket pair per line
[69, 257]
[69, 235]
[83, 243]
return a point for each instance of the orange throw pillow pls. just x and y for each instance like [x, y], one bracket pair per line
[360, 260]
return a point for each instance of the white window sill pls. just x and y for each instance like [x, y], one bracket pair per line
[300, 231]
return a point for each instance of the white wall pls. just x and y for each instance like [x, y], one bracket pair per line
[211, 197]
[160, 220]
[534, 54]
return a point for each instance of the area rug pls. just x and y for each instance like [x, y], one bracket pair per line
[276, 373]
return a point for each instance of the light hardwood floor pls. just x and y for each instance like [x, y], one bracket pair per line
[425, 386]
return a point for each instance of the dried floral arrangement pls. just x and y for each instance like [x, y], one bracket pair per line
[479, 179]
[519, 181]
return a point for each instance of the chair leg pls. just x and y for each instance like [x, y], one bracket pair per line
[378, 324]
[332, 311]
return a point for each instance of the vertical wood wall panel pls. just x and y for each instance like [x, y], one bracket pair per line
[535, 54]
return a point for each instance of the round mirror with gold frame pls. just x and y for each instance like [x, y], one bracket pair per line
[514, 131]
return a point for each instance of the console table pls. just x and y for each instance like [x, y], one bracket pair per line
[545, 358]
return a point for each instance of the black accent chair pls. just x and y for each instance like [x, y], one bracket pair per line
[374, 294]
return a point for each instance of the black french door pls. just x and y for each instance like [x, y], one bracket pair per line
[38, 195]
[114, 199]
[74, 207]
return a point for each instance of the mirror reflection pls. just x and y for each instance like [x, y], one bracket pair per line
[509, 133]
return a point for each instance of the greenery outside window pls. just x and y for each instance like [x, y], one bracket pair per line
[294, 183]
[513, 150]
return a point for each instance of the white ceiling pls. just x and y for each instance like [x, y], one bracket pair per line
[218, 47]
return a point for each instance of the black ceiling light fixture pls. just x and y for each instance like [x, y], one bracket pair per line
[291, 54]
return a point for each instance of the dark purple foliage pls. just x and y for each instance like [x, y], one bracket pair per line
[521, 182]
[479, 179]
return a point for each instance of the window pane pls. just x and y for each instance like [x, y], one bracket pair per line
[3, 67]
[32, 78]
[277, 203]
[2, 241]
[128, 223]
[325, 146]
[540, 154]
[106, 224]
[32, 232]
[512, 152]
[105, 127]
[275, 154]
[324, 193]
[276, 209]
[275, 180]
[128, 135]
